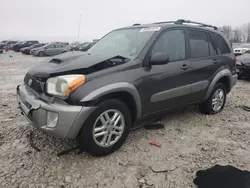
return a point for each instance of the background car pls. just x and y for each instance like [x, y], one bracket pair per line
[3, 42]
[243, 65]
[7, 43]
[26, 50]
[63, 43]
[50, 49]
[242, 49]
[23, 44]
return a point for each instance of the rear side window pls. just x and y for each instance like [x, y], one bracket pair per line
[212, 47]
[173, 43]
[198, 44]
[221, 44]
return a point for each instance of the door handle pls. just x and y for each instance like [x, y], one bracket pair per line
[185, 67]
[215, 61]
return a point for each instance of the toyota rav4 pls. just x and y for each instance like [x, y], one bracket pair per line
[129, 75]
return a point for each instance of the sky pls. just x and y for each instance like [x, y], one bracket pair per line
[59, 19]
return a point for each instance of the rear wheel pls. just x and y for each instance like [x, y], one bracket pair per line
[216, 101]
[106, 129]
[41, 54]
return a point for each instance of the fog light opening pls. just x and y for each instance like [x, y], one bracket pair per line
[52, 119]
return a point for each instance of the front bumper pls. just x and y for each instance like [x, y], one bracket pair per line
[243, 70]
[70, 118]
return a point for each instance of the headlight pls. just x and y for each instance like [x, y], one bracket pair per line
[62, 86]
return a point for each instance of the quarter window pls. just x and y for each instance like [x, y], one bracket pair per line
[198, 42]
[221, 44]
[212, 47]
[173, 43]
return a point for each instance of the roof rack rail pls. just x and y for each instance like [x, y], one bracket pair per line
[182, 21]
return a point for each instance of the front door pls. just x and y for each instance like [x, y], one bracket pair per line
[50, 50]
[167, 86]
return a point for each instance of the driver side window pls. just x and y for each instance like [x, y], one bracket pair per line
[171, 42]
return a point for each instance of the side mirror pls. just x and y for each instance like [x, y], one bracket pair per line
[159, 59]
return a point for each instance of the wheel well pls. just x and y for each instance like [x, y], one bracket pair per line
[225, 80]
[125, 97]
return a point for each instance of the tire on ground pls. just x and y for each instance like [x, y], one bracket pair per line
[86, 137]
[206, 107]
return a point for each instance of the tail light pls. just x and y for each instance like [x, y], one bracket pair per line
[235, 60]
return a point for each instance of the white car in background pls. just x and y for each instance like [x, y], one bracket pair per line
[243, 48]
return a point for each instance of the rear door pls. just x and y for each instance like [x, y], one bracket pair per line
[167, 86]
[203, 58]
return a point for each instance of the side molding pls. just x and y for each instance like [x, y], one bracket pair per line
[116, 87]
[219, 75]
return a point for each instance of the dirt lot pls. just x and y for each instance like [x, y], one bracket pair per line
[189, 142]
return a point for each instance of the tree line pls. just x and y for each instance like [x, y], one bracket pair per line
[237, 34]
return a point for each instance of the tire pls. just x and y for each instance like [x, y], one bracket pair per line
[41, 54]
[207, 106]
[91, 144]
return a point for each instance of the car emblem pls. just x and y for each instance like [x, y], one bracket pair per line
[30, 82]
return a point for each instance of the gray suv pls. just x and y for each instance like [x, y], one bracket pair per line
[131, 75]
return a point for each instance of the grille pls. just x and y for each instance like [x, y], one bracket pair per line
[33, 83]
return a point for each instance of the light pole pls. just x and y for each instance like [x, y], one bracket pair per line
[78, 33]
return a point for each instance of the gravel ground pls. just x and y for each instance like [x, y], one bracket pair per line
[189, 142]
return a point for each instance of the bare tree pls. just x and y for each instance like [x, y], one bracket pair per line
[227, 29]
[248, 32]
[237, 35]
[244, 32]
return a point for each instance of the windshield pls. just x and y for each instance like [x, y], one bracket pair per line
[245, 46]
[124, 42]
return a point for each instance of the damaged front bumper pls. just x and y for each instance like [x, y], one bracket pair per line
[54, 118]
[243, 70]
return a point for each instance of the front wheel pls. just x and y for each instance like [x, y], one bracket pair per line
[106, 129]
[216, 101]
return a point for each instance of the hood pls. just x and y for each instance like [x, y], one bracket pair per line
[245, 59]
[75, 63]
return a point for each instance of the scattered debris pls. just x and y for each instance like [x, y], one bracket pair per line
[161, 168]
[6, 120]
[154, 126]
[222, 176]
[154, 144]
[149, 182]
[67, 151]
[205, 148]
[32, 143]
[246, 108]
[142, 181]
